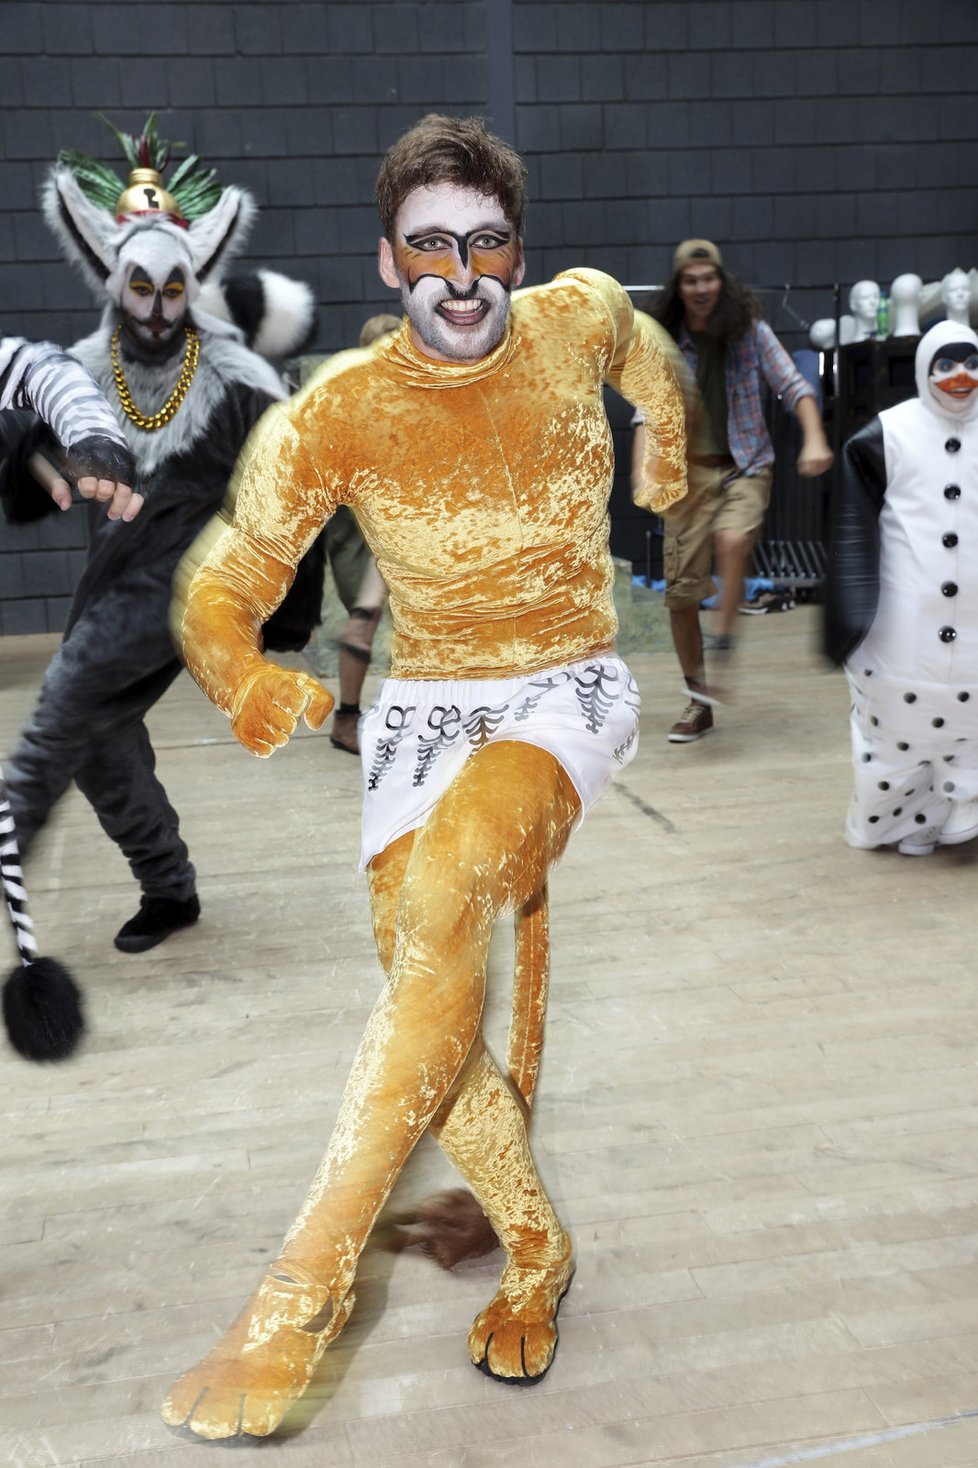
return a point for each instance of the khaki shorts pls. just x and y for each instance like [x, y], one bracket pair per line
[719, 499]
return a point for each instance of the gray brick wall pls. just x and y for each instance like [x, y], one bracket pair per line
[297, 101]
[815, 140]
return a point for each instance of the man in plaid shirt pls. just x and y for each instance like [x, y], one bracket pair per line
[728, 350]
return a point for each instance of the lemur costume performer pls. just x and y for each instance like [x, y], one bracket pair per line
[186, 390]
[473, 448]
[41, 1002]
[902, 606]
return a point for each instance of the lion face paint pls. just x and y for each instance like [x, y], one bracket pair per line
[456, 259]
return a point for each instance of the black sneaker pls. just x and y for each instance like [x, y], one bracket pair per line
[694, 721]
[156, 919]
[768, 601]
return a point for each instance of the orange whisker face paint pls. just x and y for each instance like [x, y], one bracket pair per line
[446, 255]
[413, 264]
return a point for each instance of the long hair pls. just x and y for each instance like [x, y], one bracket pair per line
[731, 318]
[458, 150]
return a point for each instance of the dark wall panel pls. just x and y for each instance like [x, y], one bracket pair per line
[814, 140]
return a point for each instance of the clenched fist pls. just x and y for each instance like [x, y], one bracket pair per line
[105, 471]
[270, 702]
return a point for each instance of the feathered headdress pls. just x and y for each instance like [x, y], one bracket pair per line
[191, 191]
[102, 223]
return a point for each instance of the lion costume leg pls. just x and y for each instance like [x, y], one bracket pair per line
[482, 1129]
[487, 845]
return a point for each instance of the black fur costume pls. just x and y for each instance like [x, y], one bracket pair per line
[117, 658]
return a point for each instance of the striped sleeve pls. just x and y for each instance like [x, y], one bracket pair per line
[39, 376]
[780, 371]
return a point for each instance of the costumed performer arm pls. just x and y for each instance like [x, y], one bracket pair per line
[853, 574]
[280, 503]
[643, 465]
[645, 369]
[39, 376]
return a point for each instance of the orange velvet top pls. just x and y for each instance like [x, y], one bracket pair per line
[482, 489]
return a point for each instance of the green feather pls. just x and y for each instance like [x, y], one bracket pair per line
[195, 187]
[97, 181]
[126, 141]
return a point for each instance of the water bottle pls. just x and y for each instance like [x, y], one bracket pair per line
[882, 318]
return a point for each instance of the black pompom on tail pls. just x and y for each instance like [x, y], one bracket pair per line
[42, 1010]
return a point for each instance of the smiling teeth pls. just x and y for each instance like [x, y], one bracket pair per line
[461, 308]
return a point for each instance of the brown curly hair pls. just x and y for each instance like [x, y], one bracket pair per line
[459, 150]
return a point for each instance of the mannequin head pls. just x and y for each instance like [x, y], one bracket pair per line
[956, 295]
[864, 300]
[821, 333]
[905, 301]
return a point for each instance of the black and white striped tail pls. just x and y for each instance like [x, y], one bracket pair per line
[41, 1002]
[12, 880]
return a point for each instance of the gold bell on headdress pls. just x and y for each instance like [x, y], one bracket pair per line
[145, 194]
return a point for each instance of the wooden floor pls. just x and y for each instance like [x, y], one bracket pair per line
[759, 1117]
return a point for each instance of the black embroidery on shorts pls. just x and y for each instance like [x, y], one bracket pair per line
[632, 699]
[447, 724]
[623, 749]
[595, 698]
[482, 723]
[398, 721]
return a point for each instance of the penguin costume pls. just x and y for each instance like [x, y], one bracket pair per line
[902, 606]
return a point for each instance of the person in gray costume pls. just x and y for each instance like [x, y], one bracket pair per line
[186, 388]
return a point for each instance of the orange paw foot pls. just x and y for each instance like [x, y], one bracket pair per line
[261, 1366]
[515, 1337]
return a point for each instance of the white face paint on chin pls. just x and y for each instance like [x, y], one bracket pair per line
[464, 332]
[456, 258]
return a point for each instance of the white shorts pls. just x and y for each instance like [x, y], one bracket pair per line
[419, 734]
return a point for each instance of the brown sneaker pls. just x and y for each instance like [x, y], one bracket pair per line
[695, 721]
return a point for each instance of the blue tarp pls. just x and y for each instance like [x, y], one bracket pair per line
[753, 586]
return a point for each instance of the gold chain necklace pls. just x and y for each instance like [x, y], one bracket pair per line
[151, 423]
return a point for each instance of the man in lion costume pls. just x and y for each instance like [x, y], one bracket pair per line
[473, 448]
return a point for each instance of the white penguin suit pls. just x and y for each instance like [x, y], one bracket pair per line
[914, 678]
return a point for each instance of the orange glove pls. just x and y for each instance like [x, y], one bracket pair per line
[269, 703]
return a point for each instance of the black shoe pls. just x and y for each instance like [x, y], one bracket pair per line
[156, 919]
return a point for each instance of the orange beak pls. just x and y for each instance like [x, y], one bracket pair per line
[958, 386]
